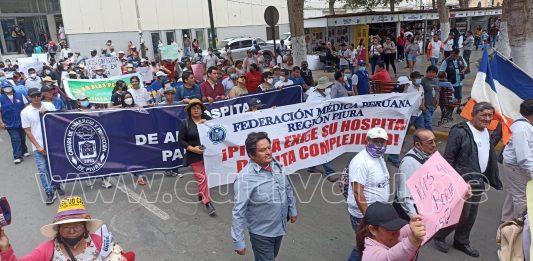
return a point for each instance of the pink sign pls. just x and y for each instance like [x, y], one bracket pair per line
[198, 71]
[438, 191]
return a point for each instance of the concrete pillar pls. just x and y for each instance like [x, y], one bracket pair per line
[398, 28]
[52, 27]
[468, 23]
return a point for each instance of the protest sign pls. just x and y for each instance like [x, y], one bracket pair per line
[41, 57]
[29, 62]
[198, 71]
[307, 134]
[438, 191]
[84, 144]
[146, 74]
[111, 66]
[98, 90]
[169, 52]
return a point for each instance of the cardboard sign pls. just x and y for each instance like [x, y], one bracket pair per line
[146, 74]
[111, 66]
[5, 212]
[30, 62]
[438, 192]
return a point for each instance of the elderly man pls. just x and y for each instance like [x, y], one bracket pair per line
[368, 177]
[264, 201]
[470, 151]
[518, 163]
[424, 146]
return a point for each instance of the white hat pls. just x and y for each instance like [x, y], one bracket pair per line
[323, 83]
[121, 52]
[160, 73]
[377, 133]
[403, 80]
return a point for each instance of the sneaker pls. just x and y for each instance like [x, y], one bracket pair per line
[106, 183]
[333, 178]
[17, 161]
[27, 154]
[60, 191]
[141, 181]
[50, 198]
[210, 209]
[441, 245]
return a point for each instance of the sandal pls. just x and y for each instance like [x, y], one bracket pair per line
[141, 181]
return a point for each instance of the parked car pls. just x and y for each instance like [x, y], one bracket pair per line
[286, 37]
[239, 46]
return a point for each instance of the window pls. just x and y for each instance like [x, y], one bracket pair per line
[234, 46]
[246, 44]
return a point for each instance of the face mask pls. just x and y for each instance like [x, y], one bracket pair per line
[346, 77]
[48, 72]
[362, 69]
[418, 81]
[282, 78]
[33, 75]
[128, 101]
[99, 72]
[85, 104]
[8, 89]
[48, 84]
[270, 81]
[72, 241]
[376, 150]
[423, 154]
[233, 76]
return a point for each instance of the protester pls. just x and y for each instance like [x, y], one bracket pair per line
[389, 54]
[127, 100]
[99, 73]
[381, 75]
[28, 47]
[384, 236]
[284, 80]
[319, 92]
[431, 90]
[240, 88]
[168, 93]
[253, 78]
[417, 119]
[375, 53]
[276, 74]
[455, 67]
[116, 97]
[435, 48]
[400, 42]
[266, 83]
[470, 151]
[33, 81]
[11, 105]
[344, 57]
[31, 122]
[140, 94]
[361, 79]
[297, 78]
[368, 177]
[239, 67]
[518, 163]
[72, 237]
[189, 139]
[210, 59]
[339, 86]
[254, 104]
[264, 201]
[50, 95]
[248, 61]
[350, 85]
[230, 81]
[424, 145]
[211, 89]
[361, 50]
[307, 74]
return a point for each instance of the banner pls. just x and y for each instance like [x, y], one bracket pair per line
[41, 57]
[146, 74]
[85, 144]
[307, 134]
[438, 191]
[98, 90]
[29, 62]
[169, 52]
[111, 66]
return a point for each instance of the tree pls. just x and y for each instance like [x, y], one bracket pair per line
[516, 30]
[434, 4]
[444, 18]
[296, 24]
[331, 4]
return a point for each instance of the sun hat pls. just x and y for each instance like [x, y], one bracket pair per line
[194, 102]
[377, 133]
[384, 215]
[49, 79]
[71, 210]
[323, 83]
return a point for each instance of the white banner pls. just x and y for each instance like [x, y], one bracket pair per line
[29, 62]
[41, 57]
[111, 66]
[146, 74]
[306, 134]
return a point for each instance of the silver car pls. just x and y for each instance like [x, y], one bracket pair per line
[240, 45]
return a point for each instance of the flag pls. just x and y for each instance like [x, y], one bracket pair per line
[505, 86]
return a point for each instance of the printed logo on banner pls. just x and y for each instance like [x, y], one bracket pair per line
[86, 145]
[217, 134]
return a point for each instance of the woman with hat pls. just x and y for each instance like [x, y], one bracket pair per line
[383, 235]
[189, 139]
[72, 237]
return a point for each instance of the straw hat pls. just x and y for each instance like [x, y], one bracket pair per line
[49, 79]
[194, 102]
[71, 210]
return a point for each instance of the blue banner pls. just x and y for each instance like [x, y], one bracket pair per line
[88, 144]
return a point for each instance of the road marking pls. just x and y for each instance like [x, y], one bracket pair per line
[149, 206]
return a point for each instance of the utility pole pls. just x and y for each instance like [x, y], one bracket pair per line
[213, 41]
[142, 47]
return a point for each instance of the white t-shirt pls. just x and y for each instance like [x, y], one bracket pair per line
[482, 139]
[316, 96]
[140, 96]
[448, 46]
[412, 88]
[435, 49]
[346, 56]
[280, 84]
[30, 118]
[373, 174]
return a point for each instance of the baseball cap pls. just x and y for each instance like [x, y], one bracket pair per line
[81, 96]
[121, 52]
[403, 80]
[377, 133]
[255, 102]
[169, 90]
[6, 84]
[46, 88]
[384, 215]
[160, 73]
[33, 91]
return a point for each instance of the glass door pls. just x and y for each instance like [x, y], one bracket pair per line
[7, 26]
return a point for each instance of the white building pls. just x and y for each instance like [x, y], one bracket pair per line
[89, 24]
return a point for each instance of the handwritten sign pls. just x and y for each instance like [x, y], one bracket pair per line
[169, 52]
[111, 65]
[198, 71]
[438, 192]
[29, 62]
[146, 74]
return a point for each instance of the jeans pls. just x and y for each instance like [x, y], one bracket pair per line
[389, 60]
[373, 61]
[466, 56]
[265, 248]
[354, 255]
[400, 52]
[434, 61]
[394, 158]
[18, 142]
[40, 160]
[428, 118]
[417, 121]
[328, 169]
[458, 92]
[466, 222]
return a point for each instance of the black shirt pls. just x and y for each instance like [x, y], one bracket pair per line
[189, 136]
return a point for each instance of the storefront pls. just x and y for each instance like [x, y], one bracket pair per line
[23, 19]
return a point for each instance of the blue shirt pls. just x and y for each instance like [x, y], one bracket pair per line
[21, 89]
[297, 81]
[263, 201]
[183, 92]
[59, 104]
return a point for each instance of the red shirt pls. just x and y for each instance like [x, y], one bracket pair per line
[382, 76]
[209, 91]
[170, 66]
[253, 79]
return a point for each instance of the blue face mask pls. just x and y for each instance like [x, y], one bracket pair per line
[85, 104]
[362, 69]
[376, 150]
[418, 81]
[233, 76]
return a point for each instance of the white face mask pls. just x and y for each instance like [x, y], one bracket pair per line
[8, 89]
[270, 81]
[128, 101]
[282, 78]
[33, 75]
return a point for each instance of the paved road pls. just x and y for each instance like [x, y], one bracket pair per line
[168, 224]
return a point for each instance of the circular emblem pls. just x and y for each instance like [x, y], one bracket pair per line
[86, 145]
[217, 134]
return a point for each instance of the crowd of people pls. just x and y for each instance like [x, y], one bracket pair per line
[383, 231]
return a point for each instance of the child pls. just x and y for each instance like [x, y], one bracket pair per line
[445, 86]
